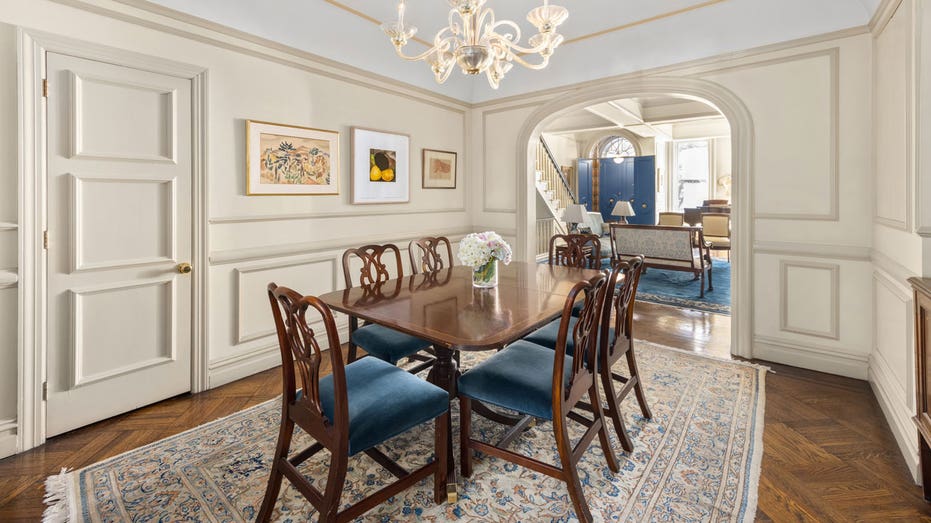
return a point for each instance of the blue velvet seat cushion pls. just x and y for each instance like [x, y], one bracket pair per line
[387, 344]
[547, 334]
[384, 401]
[518, 378]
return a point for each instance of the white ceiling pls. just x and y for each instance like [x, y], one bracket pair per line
[647, 33]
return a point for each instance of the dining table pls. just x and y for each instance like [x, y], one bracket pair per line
[444, 308]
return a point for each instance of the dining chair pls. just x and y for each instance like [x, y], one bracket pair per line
[716, 228]
[542, 383]
[582, 251]
[427, 256]
[353, 409]
[379, 341]
[671, 218]
[613, 342]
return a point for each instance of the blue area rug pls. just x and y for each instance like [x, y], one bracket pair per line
[680, 290]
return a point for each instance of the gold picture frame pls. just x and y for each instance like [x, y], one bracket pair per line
[290, 160]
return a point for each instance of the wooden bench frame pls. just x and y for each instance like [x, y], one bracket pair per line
[695, 237]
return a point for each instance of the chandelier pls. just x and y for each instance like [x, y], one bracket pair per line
[478, 43]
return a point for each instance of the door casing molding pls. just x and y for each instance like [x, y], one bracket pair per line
[32, 47]
[742, 146]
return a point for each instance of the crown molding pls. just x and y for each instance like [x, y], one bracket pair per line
[883, 14]
[680, 67]
[175, 22]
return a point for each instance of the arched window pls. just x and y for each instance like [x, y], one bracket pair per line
[616, 147]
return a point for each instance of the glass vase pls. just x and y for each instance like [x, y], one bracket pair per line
[486, 276]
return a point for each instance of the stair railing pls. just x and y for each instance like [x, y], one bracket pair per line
[553, 174]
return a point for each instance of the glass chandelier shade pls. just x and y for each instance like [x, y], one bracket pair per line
[478, 43]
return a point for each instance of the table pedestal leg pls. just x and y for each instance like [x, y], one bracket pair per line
[445, 374]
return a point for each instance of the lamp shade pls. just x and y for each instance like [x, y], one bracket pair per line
[574, 213]
[623, 208]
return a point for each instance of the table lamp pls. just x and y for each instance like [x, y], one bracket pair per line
[623, 209]
[573, 216]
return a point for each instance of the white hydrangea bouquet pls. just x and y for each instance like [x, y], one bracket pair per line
[482, 251]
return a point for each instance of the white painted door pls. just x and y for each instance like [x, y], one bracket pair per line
[119, 226]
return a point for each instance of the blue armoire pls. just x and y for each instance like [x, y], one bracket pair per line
[633, 179]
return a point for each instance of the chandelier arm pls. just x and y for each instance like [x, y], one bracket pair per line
[416, 58]
[536, 67]
[515, 36]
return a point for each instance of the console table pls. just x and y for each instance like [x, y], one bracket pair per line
[922, 292]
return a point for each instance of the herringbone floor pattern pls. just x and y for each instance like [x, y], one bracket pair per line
[828, 453]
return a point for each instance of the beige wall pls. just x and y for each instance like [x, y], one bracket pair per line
[897, 249]
[8, 242]
[811, 261]
[252, 240]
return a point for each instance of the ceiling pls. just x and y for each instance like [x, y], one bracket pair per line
[662, 117]
[603, 37]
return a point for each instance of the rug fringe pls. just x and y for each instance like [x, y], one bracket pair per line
[58, 498]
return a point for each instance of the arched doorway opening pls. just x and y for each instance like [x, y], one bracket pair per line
[741, 128]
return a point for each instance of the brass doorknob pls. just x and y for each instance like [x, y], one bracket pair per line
[185, 268]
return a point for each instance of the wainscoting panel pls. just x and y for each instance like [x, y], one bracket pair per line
[810, 298]
[499, 127]
[314, 276]
[8, 335]
[810, 317]
[893, 132]
[813, 162]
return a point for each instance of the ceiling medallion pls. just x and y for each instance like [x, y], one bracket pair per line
[478, 43]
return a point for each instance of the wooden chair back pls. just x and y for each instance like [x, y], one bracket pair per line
[584, 335]
[671, 218]
[716, 224]
[619, 303]
[374, 269]
[708, 203]
[582, 251]
[428, 254]
[301, 350]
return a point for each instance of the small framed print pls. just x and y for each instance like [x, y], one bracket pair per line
[291, 160]
[439, 169]
[380, 167]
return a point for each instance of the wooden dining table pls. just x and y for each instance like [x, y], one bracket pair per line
[444, 308]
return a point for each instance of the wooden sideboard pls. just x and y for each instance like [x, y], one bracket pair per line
[922, 292]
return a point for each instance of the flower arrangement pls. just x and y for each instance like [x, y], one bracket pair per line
[482, 251]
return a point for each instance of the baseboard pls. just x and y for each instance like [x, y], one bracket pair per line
[240, 366]
[898, 414]
[8, 442]
[812, 357]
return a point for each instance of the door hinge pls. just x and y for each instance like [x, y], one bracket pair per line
[45, 239]
[44, 391]
[45, 88]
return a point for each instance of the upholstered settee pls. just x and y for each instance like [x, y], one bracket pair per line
[597, 226]
[664, 247]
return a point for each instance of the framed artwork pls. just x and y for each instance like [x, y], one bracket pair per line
[291, 160]
[439, 169]
[380, 167]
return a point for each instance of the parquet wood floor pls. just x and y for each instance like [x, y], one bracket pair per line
[828, 453]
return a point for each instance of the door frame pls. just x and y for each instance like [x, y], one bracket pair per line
[32, 134]
[742, 151]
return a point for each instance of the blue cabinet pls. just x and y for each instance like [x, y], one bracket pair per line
[634, 180]
[584, 174]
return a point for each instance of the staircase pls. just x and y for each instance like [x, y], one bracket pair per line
[554, 191]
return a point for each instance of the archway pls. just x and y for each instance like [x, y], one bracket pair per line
[741, 123]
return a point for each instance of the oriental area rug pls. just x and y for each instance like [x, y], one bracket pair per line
[681, 289]
[698, 459]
